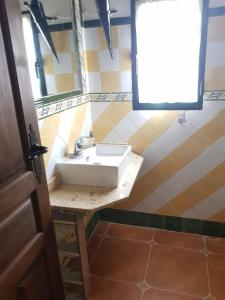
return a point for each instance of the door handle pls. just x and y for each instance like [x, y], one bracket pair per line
[36, 151]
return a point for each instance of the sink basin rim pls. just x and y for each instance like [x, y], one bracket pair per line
[94, 158]
[107, 173]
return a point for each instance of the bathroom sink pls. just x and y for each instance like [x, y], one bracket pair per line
[101, 165]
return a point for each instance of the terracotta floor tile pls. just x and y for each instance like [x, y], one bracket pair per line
[154, 294]
[121, 259]
[179, 239]
[216, 245]
[104, 289]
[93, 246]
[216, 264]
[101, 227]
[130, 232]
[178, 270]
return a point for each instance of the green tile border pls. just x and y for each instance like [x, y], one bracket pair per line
[208, 228]
[204, 227]
[192, 226]
[174, 224]
[213, 228]
[55, 98]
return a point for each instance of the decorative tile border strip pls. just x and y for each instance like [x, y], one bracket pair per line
[45, 110]
[111, 97]
[49, 109]
[126, 97]
[214, 95]
[204, 227]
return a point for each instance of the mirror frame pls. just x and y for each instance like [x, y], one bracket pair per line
[78, 43]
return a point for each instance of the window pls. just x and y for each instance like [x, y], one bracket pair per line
[168, 51]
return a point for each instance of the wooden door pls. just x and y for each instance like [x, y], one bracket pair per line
[29, 267]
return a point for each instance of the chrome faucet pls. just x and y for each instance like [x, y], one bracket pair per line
[77, 148]
[83, 142]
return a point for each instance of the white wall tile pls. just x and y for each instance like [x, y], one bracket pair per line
[107, 64]
[140, 117]
[149, 205]
[215, 56]
[94, 80]
[124, 130]
[207, 207]
[97, 109]
[114, 137]
[124, 35]
[58, 149]
[192, 172]
[87, 126]
[199, 117]
[51, 85]
[44, 47]
[180, 133]
[91, 38]
[125, 81]
[64, 130]
[193, 214]
[40, 124]
[64, 66]
[51, 169]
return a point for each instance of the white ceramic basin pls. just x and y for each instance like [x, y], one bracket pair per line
[102, 165]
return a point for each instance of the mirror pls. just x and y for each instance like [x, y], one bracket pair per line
[49, 76]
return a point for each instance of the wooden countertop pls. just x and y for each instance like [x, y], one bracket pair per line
[84, 198]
